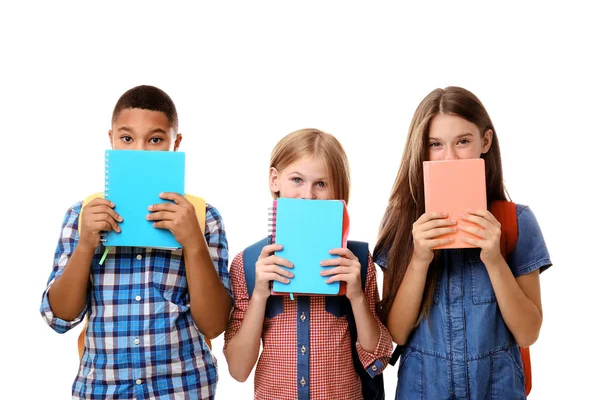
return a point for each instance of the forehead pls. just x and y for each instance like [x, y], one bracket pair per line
[140, 118]
[309, 165]
[443, 125]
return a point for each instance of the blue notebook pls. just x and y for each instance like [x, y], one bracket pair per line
[133, 181]
[307, 230]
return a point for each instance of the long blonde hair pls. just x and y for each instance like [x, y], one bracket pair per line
[324, 146]
[407, 202]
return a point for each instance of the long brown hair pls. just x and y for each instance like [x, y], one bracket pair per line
[407, 202]
[313, 142]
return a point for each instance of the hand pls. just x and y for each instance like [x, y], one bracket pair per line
[425, 231]
[269, 268]
[178, 217]
[347, 269]
[97, 216]
[489, 232]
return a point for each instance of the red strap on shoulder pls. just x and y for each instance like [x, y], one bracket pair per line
[506, 213]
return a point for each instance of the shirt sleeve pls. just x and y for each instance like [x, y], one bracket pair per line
[375, 362]
[67, 242]
[217, 244]
[530, 251]
[241, 299]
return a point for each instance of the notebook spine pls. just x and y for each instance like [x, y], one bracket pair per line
[106, 194]
[272, 219]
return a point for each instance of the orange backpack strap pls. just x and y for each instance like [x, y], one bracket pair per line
[506, 213]
[199, 205]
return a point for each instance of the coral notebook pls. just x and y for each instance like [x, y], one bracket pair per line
[307, 230]
[454, 186]
[133, 181]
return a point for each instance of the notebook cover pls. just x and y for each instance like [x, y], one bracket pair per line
[454, 186]
[307, 230]
[134, 179]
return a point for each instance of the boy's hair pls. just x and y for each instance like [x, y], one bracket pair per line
[324, 146]
[148, 98]
[407, 200]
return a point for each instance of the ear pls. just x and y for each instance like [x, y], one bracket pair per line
[486, 140]
[110, 137]
[274, 180]
[177, 141]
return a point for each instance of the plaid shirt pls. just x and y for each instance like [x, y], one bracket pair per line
[141, 341]
[331, 370]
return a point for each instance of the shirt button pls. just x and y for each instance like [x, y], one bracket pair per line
[139, 257]
[302, 317]
[303, 350]
[138, 381]
[374, 367]
[138, 297]
[302, 381]
[136, 341]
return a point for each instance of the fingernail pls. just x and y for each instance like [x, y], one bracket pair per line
[452, 221]
[150, 207]
[444, 214]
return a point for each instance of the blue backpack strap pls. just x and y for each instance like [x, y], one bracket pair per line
[372, 386]
[361, 251]
[250, 256]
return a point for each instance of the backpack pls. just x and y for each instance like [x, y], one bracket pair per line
[506, 213]
[200, 207]
[372, 387]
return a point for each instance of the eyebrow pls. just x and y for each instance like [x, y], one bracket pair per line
[302, 175]
[458, 137]
[152, 132]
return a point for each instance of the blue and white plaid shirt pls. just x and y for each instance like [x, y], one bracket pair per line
[141, 341]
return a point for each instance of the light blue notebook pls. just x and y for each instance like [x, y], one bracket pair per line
[307, 230]
[133, 181]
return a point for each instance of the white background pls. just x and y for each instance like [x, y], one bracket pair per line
[242, 76]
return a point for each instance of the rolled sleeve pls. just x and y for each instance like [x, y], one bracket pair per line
[217, 245]
[530, 251]
[241, 299]
[374, 363]
[66, 244]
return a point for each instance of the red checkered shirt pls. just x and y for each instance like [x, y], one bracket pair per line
[332, 374]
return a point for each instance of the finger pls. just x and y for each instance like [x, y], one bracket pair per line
[105, 209]
[272, 276]
[474, 242]
[278, 261]
[276, 269]
[176, 197]
[477, 220]
[343, 252]
[336, 261]
[482, 233]
[485, 214]
[163, 224]
[269, 249]
[436, 223]
[335, 271]
[106, 223]
[348, 278]
[168, 206]
[101, 201]
[431, 216]
[439, 242]
[161, 216]
[433, 233]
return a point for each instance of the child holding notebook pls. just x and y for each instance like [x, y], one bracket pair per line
[461, 315]
[316, 363]
[149, 310]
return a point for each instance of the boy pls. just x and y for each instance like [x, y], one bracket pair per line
[148, 309]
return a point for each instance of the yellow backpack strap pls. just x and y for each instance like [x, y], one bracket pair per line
[88, 199]
[199, 205]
